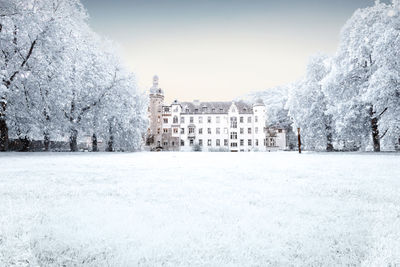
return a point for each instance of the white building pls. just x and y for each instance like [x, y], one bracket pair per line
[228, 126]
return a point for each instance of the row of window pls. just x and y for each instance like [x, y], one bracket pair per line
[267, 142]
[204, 109]
[209, 120]
[209, 130]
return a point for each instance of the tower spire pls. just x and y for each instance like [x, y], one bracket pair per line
[155, 89]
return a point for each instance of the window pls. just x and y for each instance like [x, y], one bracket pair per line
[225, 130]
[182, 130]
[249, 142]
[233, 135]
[225, 142]
[166, 109]
[233, 144]
[209, 142]
[182, 119]
[213, 110]
[191, 119]
[248, 119]
[200, 119]
[272, 142]
[173, 143]
[218, 142]
[249, 130]
[175, 120]
[204, 109]
[165, 120]
[158, 131]
[200, 130]
[241, 130]
[191, 130]
[241, 142]
[191, 142]
[209, 130]
[209, 119]
[218, 119]
[279, 130]
[165, 130]
[200, 142]
[256, 119]
[234, 122]
[256, 142]
[175, 130]
[256, 130]
[218, 131]
[165, 143]
[187, 110]
[182, 143]
[241, 119]
[196, 110]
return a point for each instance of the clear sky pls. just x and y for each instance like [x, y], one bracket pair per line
[220, 49]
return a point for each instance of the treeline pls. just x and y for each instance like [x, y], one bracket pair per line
[351, 100]
[61, 81]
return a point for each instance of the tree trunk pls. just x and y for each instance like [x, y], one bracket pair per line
[25, 144]
[73, 140]
[329, 145]
[3, 134]
[3, 125]
[375, 131]
[110, 142]
[95, 147]
[46, 141]
[299, 139]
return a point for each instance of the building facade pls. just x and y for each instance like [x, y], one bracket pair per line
[209, 126]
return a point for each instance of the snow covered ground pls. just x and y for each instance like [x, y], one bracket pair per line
[214, 209]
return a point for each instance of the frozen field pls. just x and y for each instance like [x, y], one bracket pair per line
[199, 209]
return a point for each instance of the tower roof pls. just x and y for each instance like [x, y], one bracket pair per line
[155, 89]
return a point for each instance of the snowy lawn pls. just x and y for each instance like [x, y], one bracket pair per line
[213, 209]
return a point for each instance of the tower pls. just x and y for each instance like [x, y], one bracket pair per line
[154, 132]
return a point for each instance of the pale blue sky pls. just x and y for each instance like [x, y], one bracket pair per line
[219, 50]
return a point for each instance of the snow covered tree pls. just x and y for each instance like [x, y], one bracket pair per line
[363, 80]
[59, 78]
[27, 26]
[308, 106]
[275, 103]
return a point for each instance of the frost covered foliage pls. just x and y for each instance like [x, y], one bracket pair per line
[274, 100]
[61, 81]
[352, 99]
[363, 84]
[307, 106]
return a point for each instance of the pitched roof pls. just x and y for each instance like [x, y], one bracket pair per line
[214, 107]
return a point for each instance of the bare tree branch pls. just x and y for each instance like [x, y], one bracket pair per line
[383, 135]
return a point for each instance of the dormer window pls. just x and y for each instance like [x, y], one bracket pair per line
[204, 109]
[187, 110]
[213, 110]
[196, 110]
